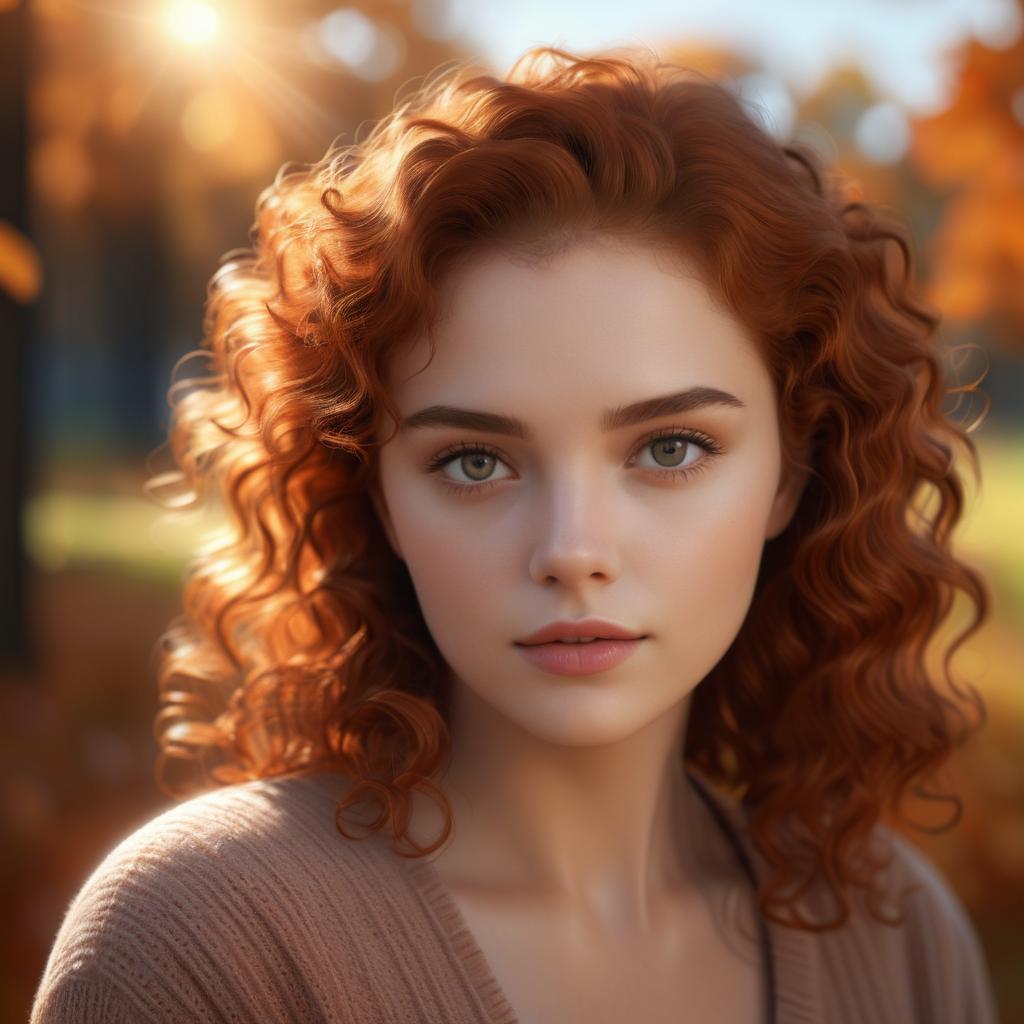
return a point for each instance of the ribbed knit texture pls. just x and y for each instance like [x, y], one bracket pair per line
[246, 904]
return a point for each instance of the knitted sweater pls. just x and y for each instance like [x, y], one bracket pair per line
[245, 904]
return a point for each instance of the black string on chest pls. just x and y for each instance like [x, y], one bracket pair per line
[766, 943]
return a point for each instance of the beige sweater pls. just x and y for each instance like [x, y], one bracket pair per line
[246, 904]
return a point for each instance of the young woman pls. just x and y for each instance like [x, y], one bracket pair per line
[566, 658]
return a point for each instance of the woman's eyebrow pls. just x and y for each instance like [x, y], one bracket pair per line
[613, 419]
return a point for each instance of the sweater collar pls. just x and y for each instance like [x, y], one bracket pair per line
[795, 972]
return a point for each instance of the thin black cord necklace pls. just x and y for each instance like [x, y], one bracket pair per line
[766, 942]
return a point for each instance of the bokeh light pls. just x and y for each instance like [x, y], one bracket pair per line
[882, 133]
[372, 50]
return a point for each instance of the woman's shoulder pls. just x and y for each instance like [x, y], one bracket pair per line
[238, 830]
[208, 882]
[932, 897]
[248, 831]
[929, 966]
[932, 956]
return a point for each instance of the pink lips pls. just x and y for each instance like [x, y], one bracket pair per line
[579, 659]
[604, 629]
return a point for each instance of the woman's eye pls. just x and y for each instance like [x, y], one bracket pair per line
[672, 454]
[476, 465]
[676, 454]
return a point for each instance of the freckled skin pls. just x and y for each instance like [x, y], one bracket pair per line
[566, 788]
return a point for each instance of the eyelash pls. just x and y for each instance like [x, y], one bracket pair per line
[710, 446]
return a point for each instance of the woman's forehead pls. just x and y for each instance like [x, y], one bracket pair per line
[607, 317]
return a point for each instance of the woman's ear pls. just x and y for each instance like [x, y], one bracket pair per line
[792, 482]
[380, 505]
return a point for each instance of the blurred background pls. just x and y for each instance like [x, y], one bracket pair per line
[136, 138]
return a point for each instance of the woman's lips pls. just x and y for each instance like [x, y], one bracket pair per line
[579, 659]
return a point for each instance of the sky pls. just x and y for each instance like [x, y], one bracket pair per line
[903, 46]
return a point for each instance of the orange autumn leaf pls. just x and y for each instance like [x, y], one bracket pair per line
[975, 149]
[21, 271]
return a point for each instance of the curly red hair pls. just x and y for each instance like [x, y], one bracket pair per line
[302, 645]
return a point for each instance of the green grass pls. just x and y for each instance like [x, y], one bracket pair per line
[992, 531]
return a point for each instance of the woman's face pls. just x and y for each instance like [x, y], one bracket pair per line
[655, 522]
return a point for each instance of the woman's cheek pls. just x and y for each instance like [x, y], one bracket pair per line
[457, 577]
[708, 583]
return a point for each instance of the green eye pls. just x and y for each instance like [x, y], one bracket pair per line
[670, 449]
